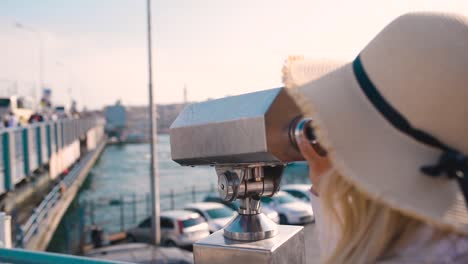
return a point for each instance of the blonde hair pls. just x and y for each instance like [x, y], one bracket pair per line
[367, 230]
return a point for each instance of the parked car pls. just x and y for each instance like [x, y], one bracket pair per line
[291, 210]
[214, 197]
[300, 191]
[178, 228]
[234, 205]
[217, 215]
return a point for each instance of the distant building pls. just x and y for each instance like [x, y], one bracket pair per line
[138, 117]
[130, 123]
[166, 116]
[116, 119]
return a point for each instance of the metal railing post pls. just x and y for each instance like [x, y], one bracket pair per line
[148, 209]
[8, 153]
[193, 194]
[172, 200]
[34, 223]
[92, 212]
[122, 218]
[19, 236]
[134, 208]
[26, 143]
[82, 214]
[47, 207]
[66, 235]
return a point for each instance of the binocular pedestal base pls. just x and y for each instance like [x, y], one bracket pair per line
[286, 247]
[250, 227]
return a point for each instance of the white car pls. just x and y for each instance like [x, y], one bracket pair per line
[217, 215]
[300, 191]
[272, 214]
[234, 205]
[291, 210]
[178, 228]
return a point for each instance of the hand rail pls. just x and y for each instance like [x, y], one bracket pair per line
[32, 257]
[40, 213]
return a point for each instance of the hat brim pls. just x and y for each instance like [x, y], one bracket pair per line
[378, 159]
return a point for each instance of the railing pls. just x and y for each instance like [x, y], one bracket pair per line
[34, 257]
[41, 212]
[30, 228]
[26, 149]
[118, 213]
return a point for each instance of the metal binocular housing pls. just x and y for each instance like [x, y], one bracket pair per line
[248, 139]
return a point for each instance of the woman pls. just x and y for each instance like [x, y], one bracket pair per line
[394, 183]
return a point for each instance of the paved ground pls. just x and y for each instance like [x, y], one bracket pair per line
[142, 253]
[311, 244]
[135, 252]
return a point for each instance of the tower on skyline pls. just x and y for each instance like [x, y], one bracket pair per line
[185, 94]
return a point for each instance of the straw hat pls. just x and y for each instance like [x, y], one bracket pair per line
[395, 120]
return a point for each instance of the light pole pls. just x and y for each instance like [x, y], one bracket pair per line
[154, 179]
[11, 87]
[70, 79]
[41, 54]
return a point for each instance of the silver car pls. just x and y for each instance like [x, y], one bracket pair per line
[217, 215]
[291, 210]
[300, 191]
[212, 197]
[178, 228]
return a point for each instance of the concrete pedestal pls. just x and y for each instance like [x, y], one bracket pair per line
[286, 247]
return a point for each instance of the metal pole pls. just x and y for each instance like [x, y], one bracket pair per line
[122, 212]
[41, 55]
[134, 202]
[41, 64]
[92, 212]
[147, 203]
[172, 200]
[193, 194]
[154, 184]
[70, 80]
[81, 212]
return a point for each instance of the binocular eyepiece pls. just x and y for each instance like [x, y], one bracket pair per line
[302, 129]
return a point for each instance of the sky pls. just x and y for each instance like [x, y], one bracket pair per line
[95, 51]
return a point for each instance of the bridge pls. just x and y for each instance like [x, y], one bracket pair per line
[42, 167]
